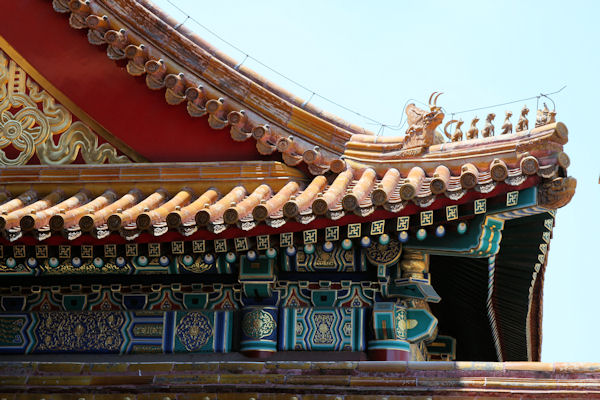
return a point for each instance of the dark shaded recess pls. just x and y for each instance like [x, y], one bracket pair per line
[148, 279]
[369, 275]
[108, 279]
[462, 313]
[462, 283]
[515, 265]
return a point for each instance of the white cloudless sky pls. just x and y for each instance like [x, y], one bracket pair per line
[373, 56]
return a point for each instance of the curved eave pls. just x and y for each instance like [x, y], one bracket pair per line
[190, 71]
[516, 302]
[545, 143]
[230, 196]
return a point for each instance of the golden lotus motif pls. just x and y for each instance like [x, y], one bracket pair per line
[30, 119]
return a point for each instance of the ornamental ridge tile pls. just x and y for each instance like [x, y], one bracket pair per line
[192, 71]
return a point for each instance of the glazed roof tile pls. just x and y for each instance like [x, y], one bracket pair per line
[210, 83]
[213, 85]
[187, 198]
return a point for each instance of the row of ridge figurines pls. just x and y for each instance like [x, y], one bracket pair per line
[544, 117]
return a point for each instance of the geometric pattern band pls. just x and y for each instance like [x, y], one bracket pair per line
[121, 332]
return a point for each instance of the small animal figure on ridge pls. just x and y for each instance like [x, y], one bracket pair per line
[507, 125]
[542, 116]
[551, 117]
[523, 123]
[488, 129]
[458, 133]
[545, 116]
[473, 131]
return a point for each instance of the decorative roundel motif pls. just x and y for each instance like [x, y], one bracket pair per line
[440, 231]
[53, 262]
[327, 247]
[379, 254]
[309, 248]
[32, 262]
[120, 261]
[251, 255]
[187, 260]
[98, 262]
[76, 262]
[403, 237]
[290, 251]
[11, 262]
[142, 261]
[461, 227]
[163, 261]
[230, 257]
[258, 324]
[421, 234]
[384, 239]
[194, 331]
[209, 258]
[271, 253]
[365, 241]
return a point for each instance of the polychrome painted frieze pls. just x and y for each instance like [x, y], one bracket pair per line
[120, 332]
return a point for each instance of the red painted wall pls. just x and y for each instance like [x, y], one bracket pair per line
[103, 89]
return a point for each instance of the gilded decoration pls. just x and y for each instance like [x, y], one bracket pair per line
[299, 328]
[324, 328]
[414, 264]
[380, 254]
[30, 120]
[79, 331]
[86, 266]
[401, 325]
[403, 223]
[148, 330]
[194, 331]
[556, 193]
[339, 259]
[258, 324]
[10, 330]
[11, 266]
[347, 329]
[196, 266]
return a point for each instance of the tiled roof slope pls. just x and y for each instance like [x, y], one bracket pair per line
[130, 198]
[353, 172]
[234, 97]
[210, 83]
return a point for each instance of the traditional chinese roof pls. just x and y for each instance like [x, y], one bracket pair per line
[179, 93]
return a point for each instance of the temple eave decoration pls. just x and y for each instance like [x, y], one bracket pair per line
[370, 247]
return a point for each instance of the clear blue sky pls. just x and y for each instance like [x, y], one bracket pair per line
[373, 56]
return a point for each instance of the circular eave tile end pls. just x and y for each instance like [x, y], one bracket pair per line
[173, 220]
[290, 209]
[114, 222]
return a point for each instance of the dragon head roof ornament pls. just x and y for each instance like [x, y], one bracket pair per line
[422, 124]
